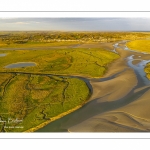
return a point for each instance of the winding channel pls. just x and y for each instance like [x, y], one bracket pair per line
[93, 108]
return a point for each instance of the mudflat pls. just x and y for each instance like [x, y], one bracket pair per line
[123, 88]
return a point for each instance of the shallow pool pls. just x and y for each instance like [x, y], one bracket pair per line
[2, 55]
[20, 65]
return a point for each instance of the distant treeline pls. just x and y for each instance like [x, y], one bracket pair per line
[47, 36]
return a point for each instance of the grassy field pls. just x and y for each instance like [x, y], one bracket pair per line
[86, 62]
[37, 98]
[140, 45]
[39, 44]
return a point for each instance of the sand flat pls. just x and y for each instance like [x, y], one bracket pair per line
[134, 115]
[115, 88]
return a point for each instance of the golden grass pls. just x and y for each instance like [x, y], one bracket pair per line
[140, 45]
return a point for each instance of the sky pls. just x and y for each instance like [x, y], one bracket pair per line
[75, 24]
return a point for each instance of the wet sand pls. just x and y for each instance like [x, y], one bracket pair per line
[119, 103]
[131, 117]
[112, 89]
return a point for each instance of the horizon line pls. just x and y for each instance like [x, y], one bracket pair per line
[73, 31]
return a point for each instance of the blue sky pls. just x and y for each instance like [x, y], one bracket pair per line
[75, 24]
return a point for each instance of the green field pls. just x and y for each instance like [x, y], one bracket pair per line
[36, 98]
[39, 44]
[140, 45]
[85, 62]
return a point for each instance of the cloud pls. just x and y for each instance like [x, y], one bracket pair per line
[22, 23]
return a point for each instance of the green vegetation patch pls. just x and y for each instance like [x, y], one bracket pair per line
[140, 45]
[147, 70]
[86, 62]
[28, 100]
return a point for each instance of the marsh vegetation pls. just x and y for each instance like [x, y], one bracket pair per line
[140, 45]
[90, 63]
[37, 98]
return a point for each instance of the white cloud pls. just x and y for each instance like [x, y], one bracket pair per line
[21, 23]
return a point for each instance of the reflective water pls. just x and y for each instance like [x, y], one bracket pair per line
[20, 65]
[139, 68]
[2, 55]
